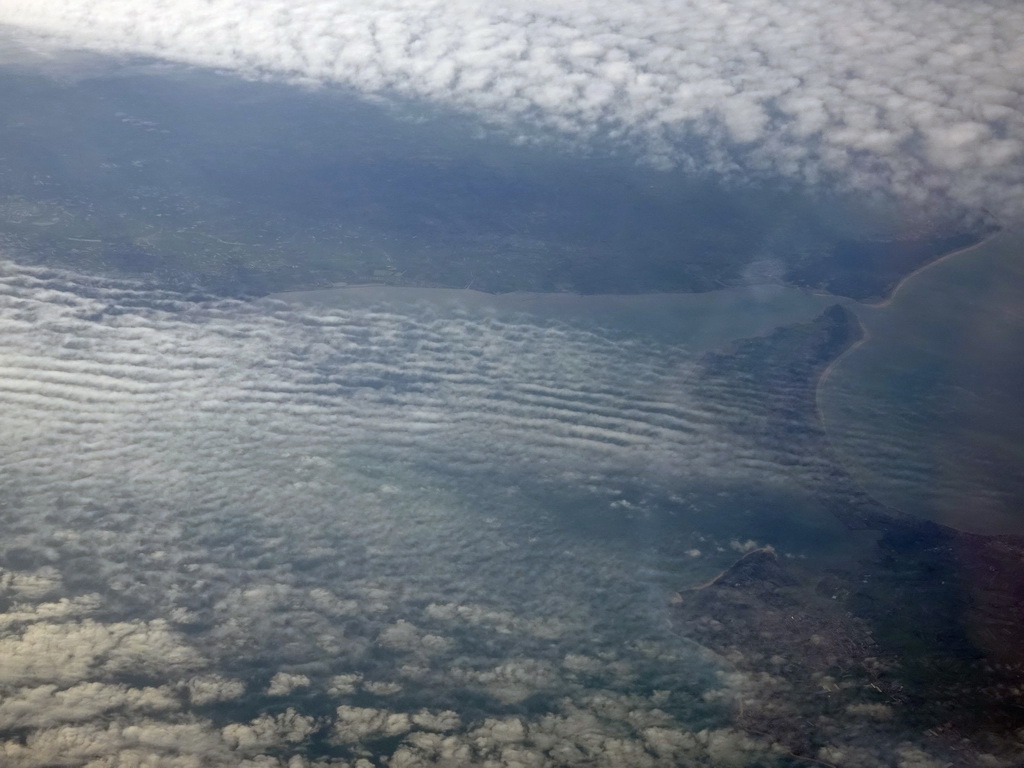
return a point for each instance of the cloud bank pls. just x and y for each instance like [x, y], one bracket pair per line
[920, 98]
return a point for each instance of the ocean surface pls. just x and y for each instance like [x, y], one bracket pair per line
[927, 412]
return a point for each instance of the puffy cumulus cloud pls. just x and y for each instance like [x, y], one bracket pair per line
[921, 97]
[64, 607]
[431, 749]
[577, 662]
[441, 722]
[111, 725]
[30, 585]
[724, 747]
[70, 651]
[156, 743]
[210, 689]
[579, 737]
[269, 730]
[62, 702]
[356, 724]
[344, 685]
[496, 731]
[284, 683]
[47, 705]
[331, 605]
[405, 636]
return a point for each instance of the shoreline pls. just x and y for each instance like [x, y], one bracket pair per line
[879, 304]
[865, 337]
[885, 301]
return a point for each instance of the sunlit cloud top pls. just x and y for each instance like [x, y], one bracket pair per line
[921, 98]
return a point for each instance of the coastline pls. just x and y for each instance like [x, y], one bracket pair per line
[1002, 247]
[884, 302]
[879, 304]
[865, 335]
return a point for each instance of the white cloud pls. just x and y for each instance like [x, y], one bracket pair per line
[344, 685]
[480, 391]
[430, 749]
[356, 724]
[269, 730]
[209, 689]
[32, 585]
[48, 705]
[118, 745]
[405, 636]
[499, 731]
[441, 722]
[64, 607]
[72, 651]
[197, 453]
[284, 683]
[806, 88]
[501, 621]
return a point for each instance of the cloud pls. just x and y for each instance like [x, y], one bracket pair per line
[921, 98]
[499, 731]
[48, 705]
[512, 681]
[344, 685]
[71, 651]
[437, 721]
[379, 688]
[30, 585]
[98, 395]
[269, 730]
[210, 689]
[502, 621]
[430, 749]
[404, 636]
[201, 493]
[356, 724]
[284, 683]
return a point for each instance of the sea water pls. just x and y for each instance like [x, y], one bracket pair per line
[926, 412]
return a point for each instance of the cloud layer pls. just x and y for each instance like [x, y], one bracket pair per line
[246, 504]
[922, 98]
[264, 535]
[181, 388]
